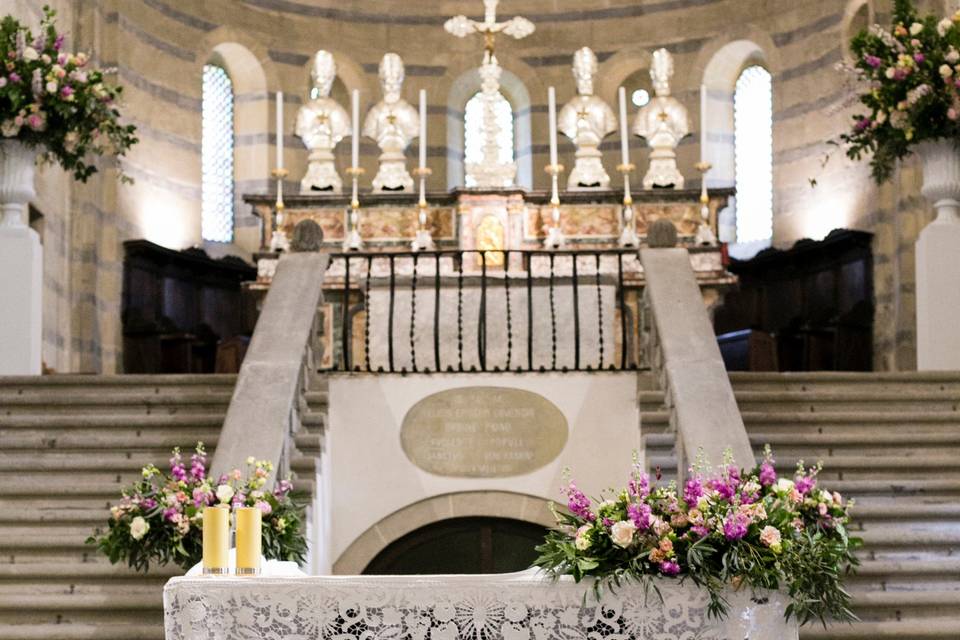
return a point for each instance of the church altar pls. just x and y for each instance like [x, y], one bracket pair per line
[477, 607]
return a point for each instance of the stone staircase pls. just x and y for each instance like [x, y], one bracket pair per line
[892, 442]
[68, 444]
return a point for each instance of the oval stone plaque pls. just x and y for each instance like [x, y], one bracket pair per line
[483, 432]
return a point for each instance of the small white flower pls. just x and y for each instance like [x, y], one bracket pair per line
[953, 56]
[881, 117]
[622, 533]
[224, 493]
[138, 528]
[943, 26]
[826, 496]
[946, 70]
[29, 53]
[251, 460]
[890, 72]
[51, 87]
[582, 542]
[916, 28]
[784, 484]
[9, 129]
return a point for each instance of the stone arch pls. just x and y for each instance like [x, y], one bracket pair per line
[618, 68]
[503, 504]
[850, 24]
[464, 87]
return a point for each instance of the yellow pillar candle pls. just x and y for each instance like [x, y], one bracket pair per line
[248, 540]
[216, 540]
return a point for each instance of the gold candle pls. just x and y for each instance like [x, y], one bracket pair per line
[248, 540]
[216, 545]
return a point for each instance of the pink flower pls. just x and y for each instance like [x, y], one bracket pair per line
[37, 121]
[872, 60]
[669, 568]
[639, 515]
[264, 507]
[735, 526]
[579, 503]
[770, 536]
[67, 93]
[768, 475]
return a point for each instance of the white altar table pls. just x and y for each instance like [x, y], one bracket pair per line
[479, 607]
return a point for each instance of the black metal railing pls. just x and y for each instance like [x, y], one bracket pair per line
[472, 310]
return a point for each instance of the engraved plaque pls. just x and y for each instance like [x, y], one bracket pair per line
[483, 432]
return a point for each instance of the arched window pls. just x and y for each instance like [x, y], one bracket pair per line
[473, 132]
[216, 222]
[753, 151]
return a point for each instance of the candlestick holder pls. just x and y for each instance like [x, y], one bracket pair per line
[278, 239]
[352, 240]
[554, 239]
[423, 241]
[628, 231]
[705, 234]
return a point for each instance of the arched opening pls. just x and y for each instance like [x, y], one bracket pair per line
[461, 545]
[473, 127]
[859, 15]
[464, 90]
[753, 152]
[217, 200]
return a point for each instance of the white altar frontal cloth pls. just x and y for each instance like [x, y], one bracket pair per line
[479, 607]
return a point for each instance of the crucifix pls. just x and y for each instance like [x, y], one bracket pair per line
[490, 171]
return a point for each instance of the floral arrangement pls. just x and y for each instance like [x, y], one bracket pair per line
[730, 529]
[160, 518]
[55, 100]
[908, 80]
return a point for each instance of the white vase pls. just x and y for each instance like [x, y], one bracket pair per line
[17, 162]
[941, 178]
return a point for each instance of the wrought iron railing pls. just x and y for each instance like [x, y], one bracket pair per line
[474, 311]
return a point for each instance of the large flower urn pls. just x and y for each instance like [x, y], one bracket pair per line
[21, 264]
[938, 260]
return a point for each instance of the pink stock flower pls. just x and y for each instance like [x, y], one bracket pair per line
[639, 515]
[669, 568]
[37, 121]
[872, 60]
[579, 503]
[264, 507]
[768, 476]
[735, 526]
[67, 92]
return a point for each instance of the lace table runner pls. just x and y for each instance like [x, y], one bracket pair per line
[484, 607]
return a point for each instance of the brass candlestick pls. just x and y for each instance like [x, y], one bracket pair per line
[628, 231]
[705, 234]
[423, 241]
[352, 240]
[555, 239]
[278, 239]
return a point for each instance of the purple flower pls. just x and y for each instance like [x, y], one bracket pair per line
[640, 515]
[805, 484]
[15, 77]
[862, 124]
[726, 489]
[578, 503]
[283, 487]
[58, 43]
[265, 508]
[198, 466]
[66, 91]
[919, 57]
[607, 522]
[700, 530]
[639, 486]
[872, 60]
[201, 497]
[735, 526]
[169, 513]
[148, 503]
[669, 568]
[768, 475]
[238, 500]
[692, 491]
[179, 473]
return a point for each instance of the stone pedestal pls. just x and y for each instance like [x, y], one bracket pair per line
[938, 298]
[938, 267]
[21, 282]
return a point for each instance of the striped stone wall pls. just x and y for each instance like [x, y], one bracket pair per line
[160, 46]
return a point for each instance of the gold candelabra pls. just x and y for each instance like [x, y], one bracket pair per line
[351, 239]
[555, 239]
[705, 234]
[423, 241]
[279, 241]
[628, 232]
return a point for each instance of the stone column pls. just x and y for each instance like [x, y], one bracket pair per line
[21, 265]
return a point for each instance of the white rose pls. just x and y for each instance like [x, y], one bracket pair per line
[224, 493]
[9, 129]
[784, 484]
[622, 533]
[946, 70]
[953, 56]
[138, 528]
[582, 542]
[30, 54]
[890, 72]
[51, 87]
[770, 536]
[826, 496]
[943, 26]
[916, 28]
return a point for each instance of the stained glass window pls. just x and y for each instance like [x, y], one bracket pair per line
[473, 132]
[753, 149]
[217, 155]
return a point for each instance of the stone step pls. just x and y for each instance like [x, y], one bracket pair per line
[98, 568]
[41, 440]
[941, 626]
[123, 381]
[898, 382]
[114, 421]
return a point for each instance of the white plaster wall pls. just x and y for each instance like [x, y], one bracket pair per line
[369, 476]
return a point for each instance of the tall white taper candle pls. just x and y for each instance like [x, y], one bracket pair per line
[279, 111]
[423, 128]
[624, 129]
[703, 123]
[552, 107]
[355, 142]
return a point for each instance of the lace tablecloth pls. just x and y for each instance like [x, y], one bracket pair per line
[484, 607]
